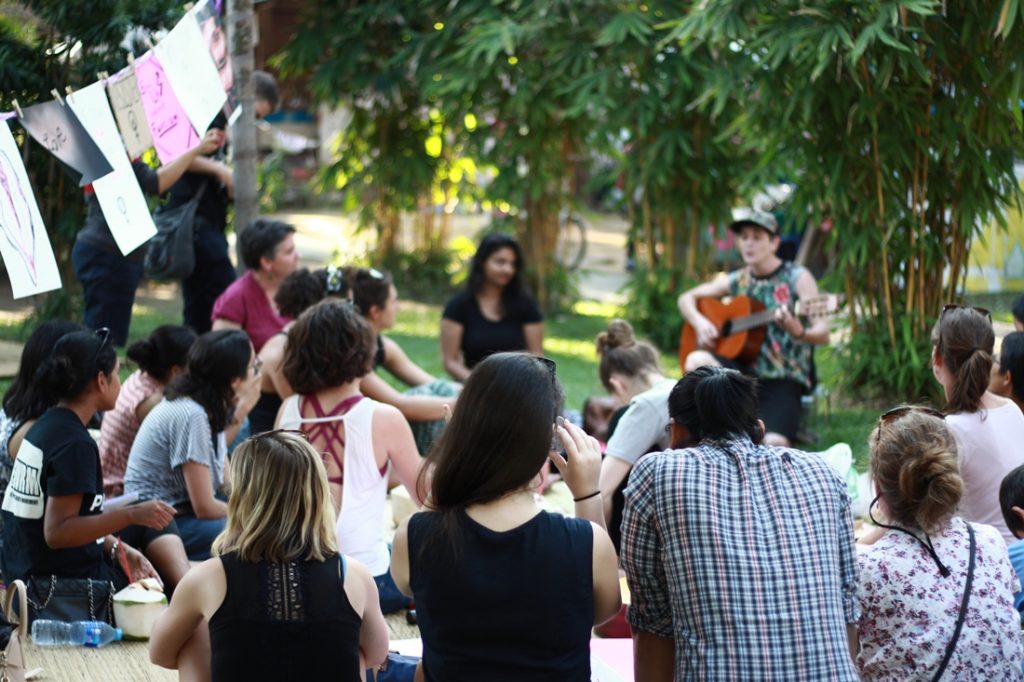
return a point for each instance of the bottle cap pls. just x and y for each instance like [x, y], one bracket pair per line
[118, 634]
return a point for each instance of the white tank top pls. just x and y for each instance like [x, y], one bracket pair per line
[364, 489]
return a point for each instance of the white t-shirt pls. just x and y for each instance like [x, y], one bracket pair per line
[990, 444]
[642, 427]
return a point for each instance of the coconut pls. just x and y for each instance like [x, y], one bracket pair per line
[136, 609]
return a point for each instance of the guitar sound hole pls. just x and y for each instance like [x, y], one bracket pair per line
[727, 328]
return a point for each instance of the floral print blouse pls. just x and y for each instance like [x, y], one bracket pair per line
[909, 611]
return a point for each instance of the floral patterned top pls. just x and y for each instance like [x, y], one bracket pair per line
[781, 356]
[909, 611]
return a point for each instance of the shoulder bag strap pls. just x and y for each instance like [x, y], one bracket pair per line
[963, 608]
[17, 590]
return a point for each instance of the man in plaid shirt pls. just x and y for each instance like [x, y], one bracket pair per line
[740, 557]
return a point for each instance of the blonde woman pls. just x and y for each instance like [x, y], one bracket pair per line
[281, 602]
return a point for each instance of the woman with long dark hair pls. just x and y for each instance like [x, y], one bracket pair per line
[180, 451]
[486, 547]
[495, 313]
[54, 522]
[988, 428]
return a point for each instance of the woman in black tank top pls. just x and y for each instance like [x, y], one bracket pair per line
[280, 601]
[505, 591]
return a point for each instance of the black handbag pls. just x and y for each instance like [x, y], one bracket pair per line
[69, 599]
[171, 253]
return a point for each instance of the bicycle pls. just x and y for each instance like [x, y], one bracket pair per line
[571, 247]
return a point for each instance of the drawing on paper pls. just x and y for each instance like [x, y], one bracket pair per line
[173, 134]
[16, 216]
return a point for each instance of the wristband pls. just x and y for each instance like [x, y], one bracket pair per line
[587, 497]
[113, 550]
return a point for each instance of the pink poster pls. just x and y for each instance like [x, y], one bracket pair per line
[173, 134]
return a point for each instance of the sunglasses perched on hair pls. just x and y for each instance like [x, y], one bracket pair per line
[103, 333]
[956, 306]
[901, 411]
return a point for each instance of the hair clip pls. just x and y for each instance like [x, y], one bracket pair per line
[335, 280]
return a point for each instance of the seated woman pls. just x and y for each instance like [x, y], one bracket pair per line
[487, 544]
[495, 313]
[330, 348]
[299, 291]
[913, 579]
[160, 358]
[179, 453]
[630, 371]
[1007, 379]
[424, 404]
[25, 401]
[273, 584]
[54, 523]
[988, 429]
[268, 250]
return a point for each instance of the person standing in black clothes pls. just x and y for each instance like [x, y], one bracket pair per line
[213, 271]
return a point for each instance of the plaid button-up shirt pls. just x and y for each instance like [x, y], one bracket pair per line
[744, 555]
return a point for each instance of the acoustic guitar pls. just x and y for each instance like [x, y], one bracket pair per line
[742, 324]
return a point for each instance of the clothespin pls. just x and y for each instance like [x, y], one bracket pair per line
[67, 89]
[102, 75]
[56, 96]
[17, 108]
[188, 6]
[131, 59]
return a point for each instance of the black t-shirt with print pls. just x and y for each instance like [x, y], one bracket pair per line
[58, 457]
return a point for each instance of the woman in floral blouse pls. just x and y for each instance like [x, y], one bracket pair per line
[913, 578]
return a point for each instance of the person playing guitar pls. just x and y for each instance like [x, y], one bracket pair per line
[783, 364]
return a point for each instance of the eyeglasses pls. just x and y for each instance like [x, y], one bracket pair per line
[550, 365]
[257, 364]
[956, 306]
[901, 411]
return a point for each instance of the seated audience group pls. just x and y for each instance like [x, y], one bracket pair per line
[739, 554]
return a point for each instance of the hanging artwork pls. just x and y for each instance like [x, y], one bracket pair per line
[24, 244]
[131, 116]
[119, 195]
[173, 134]
[211, 26]
[191, 72]
[60, 132]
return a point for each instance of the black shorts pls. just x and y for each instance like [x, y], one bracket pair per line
[779, 399]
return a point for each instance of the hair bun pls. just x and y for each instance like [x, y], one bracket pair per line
[142, 352]
[55, 375]
[931, 485]
[618, 335]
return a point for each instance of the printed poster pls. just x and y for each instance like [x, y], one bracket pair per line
[129, 113]
[191, 72]
[173, 134]
[59, 131]
[120, 197]
[211, 26]
[24, 246]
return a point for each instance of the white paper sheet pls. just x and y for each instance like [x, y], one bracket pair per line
[24, 244]
[192, 73]
[120, 197]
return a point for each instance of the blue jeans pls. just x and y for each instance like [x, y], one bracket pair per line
[391, 599]
[197, 535]
[109, 281]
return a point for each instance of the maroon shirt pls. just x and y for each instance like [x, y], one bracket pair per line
[246, 304]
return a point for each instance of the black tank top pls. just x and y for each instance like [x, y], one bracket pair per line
[284, 622]
[516, 606]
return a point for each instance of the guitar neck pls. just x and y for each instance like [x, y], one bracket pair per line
[742, 324]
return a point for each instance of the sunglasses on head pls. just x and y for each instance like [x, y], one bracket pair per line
[956, 306]
[103, 333]
[896, 413]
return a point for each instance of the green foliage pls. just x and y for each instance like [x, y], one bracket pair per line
[425, 274]
[651, 306]
[899, 121]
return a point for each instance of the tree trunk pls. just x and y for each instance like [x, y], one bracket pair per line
[243, 132]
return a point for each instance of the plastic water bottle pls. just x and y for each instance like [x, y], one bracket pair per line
[91, 633]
